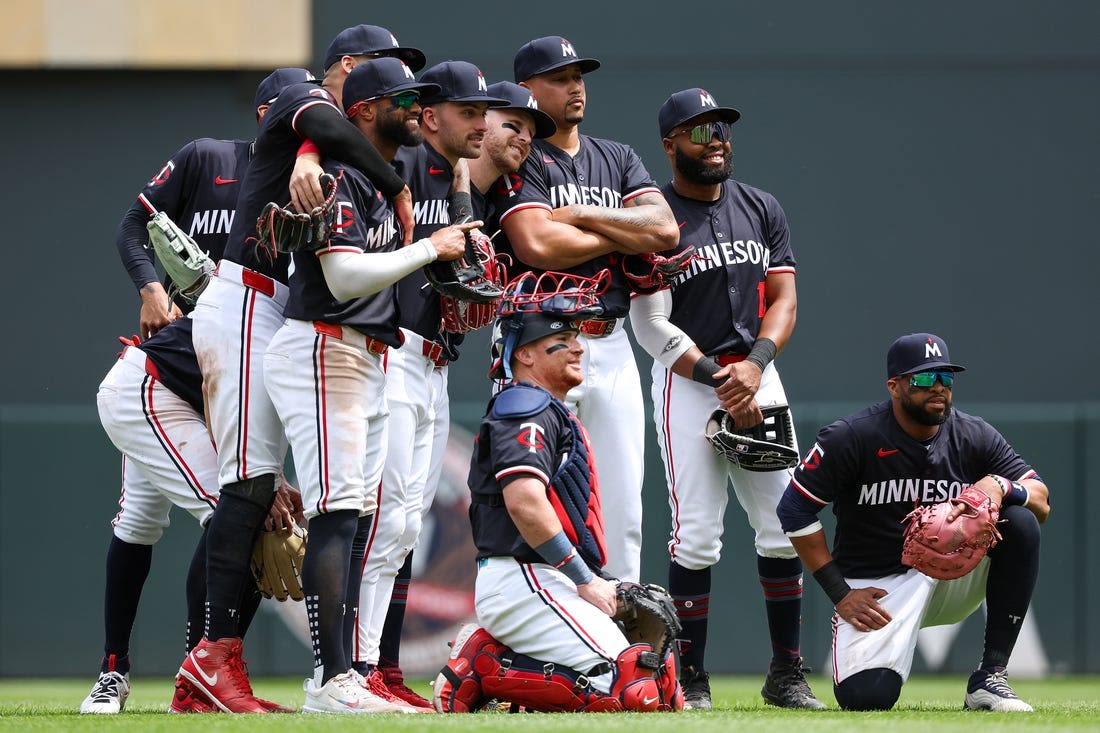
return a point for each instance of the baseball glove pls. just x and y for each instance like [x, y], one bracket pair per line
[646, 613]
[188, 266]
[951, 550]
[648, 273]
[476, 277]
[768, 446]
[277, 564]
[282, 229]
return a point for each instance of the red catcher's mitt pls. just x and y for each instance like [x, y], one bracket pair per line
[948, 550]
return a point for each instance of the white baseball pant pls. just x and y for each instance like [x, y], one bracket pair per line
[168, 458]
[329, 389]
[235, 318]
[697, 477]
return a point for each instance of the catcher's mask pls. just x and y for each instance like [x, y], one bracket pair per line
[534, 306]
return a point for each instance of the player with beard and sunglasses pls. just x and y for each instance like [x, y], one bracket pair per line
[875, 466]
[713, 335]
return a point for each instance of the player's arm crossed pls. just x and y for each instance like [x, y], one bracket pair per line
[644, 224]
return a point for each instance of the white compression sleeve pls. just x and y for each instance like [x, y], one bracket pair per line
[664, 341]
[357, 274]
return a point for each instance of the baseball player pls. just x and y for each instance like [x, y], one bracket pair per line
[453, 124]
[580, 201]
[874, 466]
[151, 401]
[235, 318]
[325, 372]
[544, 638]
[713, 335]
[507, 145]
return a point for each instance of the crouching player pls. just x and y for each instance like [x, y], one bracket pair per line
[545, 639]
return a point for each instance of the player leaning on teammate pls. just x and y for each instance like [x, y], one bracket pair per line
[713, 335]
[874, 466]
[151, 405]
[325, 367]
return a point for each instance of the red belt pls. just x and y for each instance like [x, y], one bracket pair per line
[433, 352]
[372, 345]
[596, 328]
[724, 359]
[256, 281]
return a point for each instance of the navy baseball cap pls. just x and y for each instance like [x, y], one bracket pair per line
[458, 81]
[278, 80]
[546, 54]
[366, 39]
[919, 352]
[520, 98]
[380, 78]
[682, 106]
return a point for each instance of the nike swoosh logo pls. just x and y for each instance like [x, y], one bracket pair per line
[210, 680]
[219, 181]
[433, 171]
[648, 700]
[882, 452]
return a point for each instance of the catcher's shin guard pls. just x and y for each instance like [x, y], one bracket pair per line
[668, 681]
[457, 688]
[542, 686]
[639, 683]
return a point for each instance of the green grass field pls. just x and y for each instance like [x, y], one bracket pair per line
[1063, 704]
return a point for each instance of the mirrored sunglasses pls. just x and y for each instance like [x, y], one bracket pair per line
[405, 100]
[925, 380]
[704, 133]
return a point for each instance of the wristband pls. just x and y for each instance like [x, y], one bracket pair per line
[761, 353]
[1016, 496]
[462, 207]
[704, 370]
[1004, 483]
[575, 569]
[307, 146]
[832, 581]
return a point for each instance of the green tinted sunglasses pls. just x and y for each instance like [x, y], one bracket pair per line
[925, 380]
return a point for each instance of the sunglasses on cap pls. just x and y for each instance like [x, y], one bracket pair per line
[704, 133]
[925, 380]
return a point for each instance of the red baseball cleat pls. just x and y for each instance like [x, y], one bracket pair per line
[395, 683]
[189, 700]
[215, 669]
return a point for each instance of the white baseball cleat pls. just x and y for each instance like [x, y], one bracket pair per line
[108, 697]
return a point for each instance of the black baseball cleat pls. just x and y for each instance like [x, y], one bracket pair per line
[696, 685]
[786, 686]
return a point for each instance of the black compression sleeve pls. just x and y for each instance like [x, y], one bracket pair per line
[130, 241]
[339, 139]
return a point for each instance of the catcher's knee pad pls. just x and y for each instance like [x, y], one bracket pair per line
[542, 686]
[642, 682]
[458, 686]
[871, 689]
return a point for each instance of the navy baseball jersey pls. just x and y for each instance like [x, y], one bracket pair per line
[365, 222]
[197, 188]
[874, 473]
[602, 173]
[739, 239]
[173, 353]
[429, 176]
[507, 449]
[268, 176]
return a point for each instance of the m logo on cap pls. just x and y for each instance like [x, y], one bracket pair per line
[408, 71]
[932, 349]
[567, 49]
[481, 82]
[705, 99]
[531, 103]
